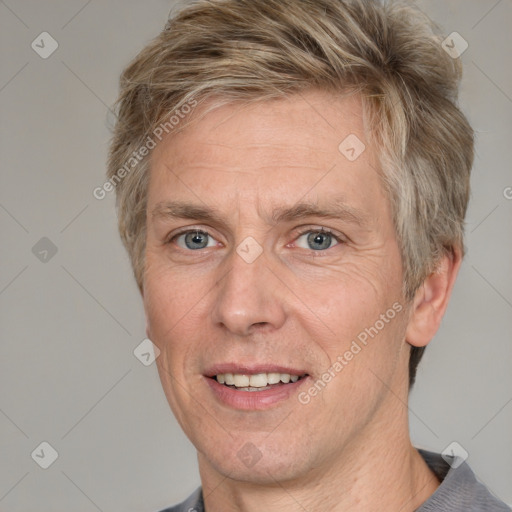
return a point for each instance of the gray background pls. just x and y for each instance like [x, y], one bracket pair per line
[69, 324]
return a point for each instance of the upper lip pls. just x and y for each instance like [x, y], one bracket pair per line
[252, 369]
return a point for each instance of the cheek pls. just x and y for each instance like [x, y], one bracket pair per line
[347, 300]
[169, 299]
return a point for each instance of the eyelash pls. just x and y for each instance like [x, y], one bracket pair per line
[322, 230]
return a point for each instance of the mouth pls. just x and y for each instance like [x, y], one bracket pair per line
[254, 387]
[257, 382]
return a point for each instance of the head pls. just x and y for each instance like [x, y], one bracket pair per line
[242, 108]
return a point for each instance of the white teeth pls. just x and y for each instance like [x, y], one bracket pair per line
[258, 380]
[241, 381]
[273, 378]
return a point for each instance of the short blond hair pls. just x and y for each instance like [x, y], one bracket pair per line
[258, 50]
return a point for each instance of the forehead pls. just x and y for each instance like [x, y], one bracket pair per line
[269, 153]
[306, 126]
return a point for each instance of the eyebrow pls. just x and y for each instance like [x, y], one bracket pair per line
[335, 209]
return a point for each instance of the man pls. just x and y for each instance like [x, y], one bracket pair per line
[292, 178]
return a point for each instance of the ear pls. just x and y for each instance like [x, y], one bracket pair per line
[431, 300]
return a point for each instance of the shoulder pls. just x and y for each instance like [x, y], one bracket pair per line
[460, 490]
[194, 503]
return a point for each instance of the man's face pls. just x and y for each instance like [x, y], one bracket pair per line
[257, 288]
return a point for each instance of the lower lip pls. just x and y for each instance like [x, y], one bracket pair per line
[253, 400]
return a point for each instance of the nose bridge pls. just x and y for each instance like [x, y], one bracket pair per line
[248, 294]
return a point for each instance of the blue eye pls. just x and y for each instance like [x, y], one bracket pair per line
[318, 240]
[195, 239]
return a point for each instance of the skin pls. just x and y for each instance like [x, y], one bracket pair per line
[293, 306]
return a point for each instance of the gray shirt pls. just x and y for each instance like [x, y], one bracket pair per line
[459, 491]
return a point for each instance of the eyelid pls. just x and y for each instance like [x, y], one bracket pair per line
[186, 229]
[320, 229]
[183, 231]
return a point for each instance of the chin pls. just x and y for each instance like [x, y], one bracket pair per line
[257, 462]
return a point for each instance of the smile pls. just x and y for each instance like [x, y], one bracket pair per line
[256, 382]
[254, 388]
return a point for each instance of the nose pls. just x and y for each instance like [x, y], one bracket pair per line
[249, 298]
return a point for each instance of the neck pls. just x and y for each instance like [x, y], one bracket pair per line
[379, 470]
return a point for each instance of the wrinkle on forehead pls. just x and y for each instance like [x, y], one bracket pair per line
[287, 128]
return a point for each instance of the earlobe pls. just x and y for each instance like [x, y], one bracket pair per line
[431, 300]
